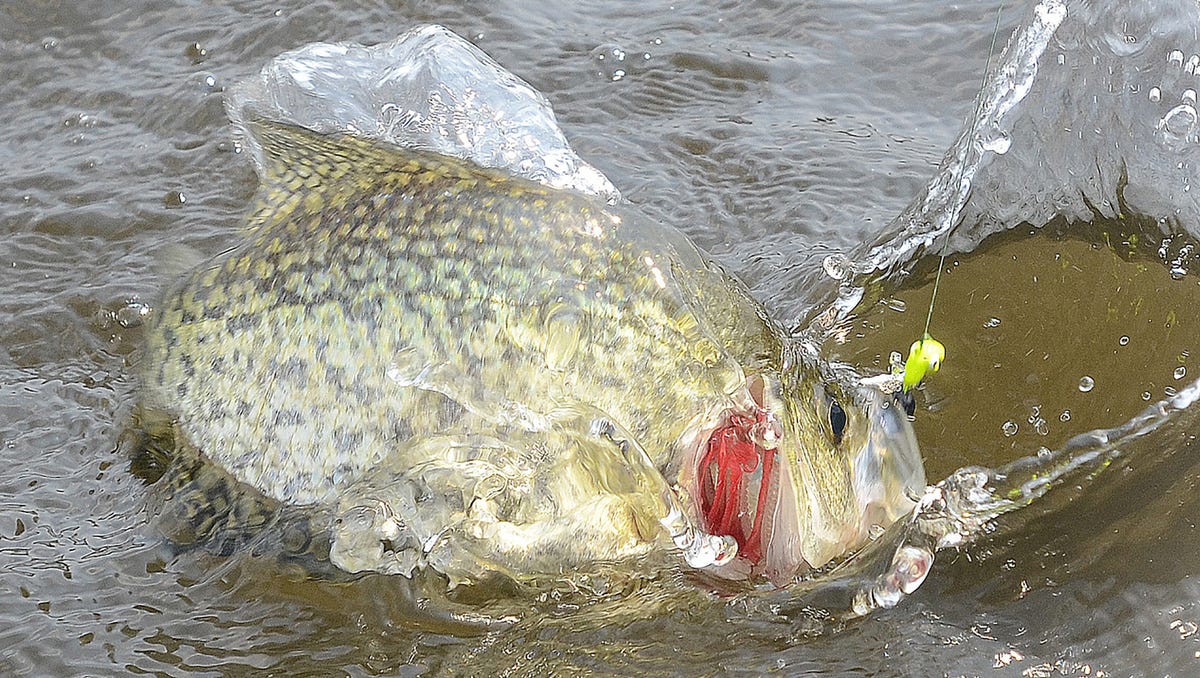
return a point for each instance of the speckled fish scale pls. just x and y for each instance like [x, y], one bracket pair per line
[383, 295]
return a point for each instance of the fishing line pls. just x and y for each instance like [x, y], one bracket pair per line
[927, 353]
[987, 64]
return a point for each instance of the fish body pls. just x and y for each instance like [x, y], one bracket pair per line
[480, 373]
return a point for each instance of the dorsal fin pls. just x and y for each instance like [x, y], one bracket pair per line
[289, 151]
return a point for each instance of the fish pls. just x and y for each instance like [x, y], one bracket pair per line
[475, 373]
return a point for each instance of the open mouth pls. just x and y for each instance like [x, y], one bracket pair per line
[738, 479]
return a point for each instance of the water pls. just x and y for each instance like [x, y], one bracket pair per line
[774, 135]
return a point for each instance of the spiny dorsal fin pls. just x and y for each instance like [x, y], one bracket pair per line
[291, 153]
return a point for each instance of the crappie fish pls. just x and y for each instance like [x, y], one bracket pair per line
[478, 373]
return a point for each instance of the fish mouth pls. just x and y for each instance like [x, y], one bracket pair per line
[739, 479]
[791, 514]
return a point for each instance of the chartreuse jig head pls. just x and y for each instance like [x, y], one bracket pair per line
[925, 357]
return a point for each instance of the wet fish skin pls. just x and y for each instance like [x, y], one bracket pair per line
[394, 318]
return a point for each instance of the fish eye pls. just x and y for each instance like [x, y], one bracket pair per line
[837, 420]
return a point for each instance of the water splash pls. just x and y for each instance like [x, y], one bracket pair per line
[964, 507]
[987, 134]
[427, 89]
[1068, 127]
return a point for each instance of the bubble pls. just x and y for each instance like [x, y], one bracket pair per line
[1180, 372]
[991, 322]
[1155, 94]
[1146, 395]
[1124, 340]
[1009, 428]
[895, 304]
[1170, 392]
[1175, 58]
[1040, 427]
[1193, 64]
[1065, 416]
[1086, 384]
[1189, 96]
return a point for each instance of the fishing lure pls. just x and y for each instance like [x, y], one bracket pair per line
[924, 357]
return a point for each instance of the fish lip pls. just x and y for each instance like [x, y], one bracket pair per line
[887, 471]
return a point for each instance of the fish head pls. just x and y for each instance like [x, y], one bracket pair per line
[820, 466]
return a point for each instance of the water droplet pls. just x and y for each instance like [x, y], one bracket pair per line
[174, 199]
[1170, 391]
[1062, 59]
[1155, 94]
[81, 120]
[1086, 384]
[208, 81]
[1175, 58]
[1065, 416]
[132, 313]
[1124, 340]
[49, 43]
[1122, 43]
[1146, 395]
[897, 305]
[837, 266]
[997, 141]
[565, 327]
[1040, 427]
[991, 322]
[1189, 96]
[1179, 124]
[1009, 428]
[1180, 372]
[196, 52]
[609, 60]
[1193, 64]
